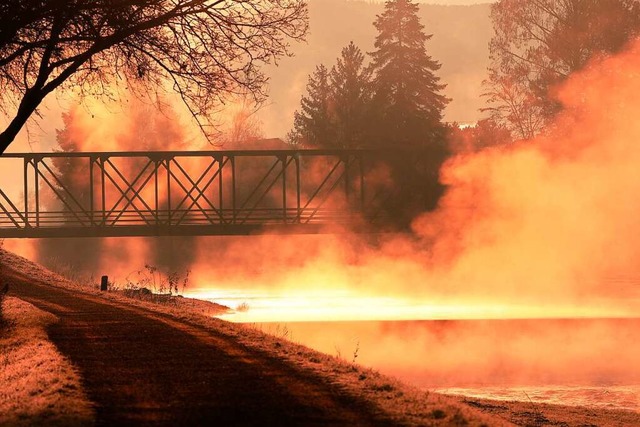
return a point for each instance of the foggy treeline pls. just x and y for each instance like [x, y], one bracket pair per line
[394, 99]
[533, 48]
[351, 102]
[462, 53]
[147, 128]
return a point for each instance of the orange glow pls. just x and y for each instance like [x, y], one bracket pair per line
[308, 305]
[543, 229]
[481, 353]
[538, 229]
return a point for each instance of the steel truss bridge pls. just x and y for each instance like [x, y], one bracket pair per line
[101, 194]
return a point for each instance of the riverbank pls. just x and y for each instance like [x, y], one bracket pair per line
[392, 401]
[404, 404]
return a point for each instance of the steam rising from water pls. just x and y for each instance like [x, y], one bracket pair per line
[545, 228]
[547, 223]
[541, 229]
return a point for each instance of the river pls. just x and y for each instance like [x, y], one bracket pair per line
[571, 361]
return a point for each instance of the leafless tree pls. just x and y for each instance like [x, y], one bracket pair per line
[204, 50]
[243, 126]
[538, 43]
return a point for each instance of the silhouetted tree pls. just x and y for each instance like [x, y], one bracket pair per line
[350, 88]
[334, 111]
[146, 128]
[243, 127]
[486, 133]
[313, 124]
[537, 44]
[202, 49]
[407, 101]
[71, 188]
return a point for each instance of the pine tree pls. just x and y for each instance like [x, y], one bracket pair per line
[334, 111]
[71, 179]
[350, 88]
[407, 102]
[313, 123]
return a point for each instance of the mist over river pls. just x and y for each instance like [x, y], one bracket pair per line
[581, 361]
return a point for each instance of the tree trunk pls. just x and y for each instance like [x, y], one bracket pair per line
[28, 106]
[8, 136]
[5, 140]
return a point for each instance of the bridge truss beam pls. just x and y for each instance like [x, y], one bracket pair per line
[211, 192]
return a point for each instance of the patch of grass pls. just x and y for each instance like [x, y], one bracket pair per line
[384, 387]
[535, 416]
[243, 307]
[282, 332]
[68, 269]
[152, 277]
[38, 386]
[438, 414]
[140, 293]
[458, 419]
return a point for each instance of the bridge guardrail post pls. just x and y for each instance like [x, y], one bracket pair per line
[283, 159]
[91, 195]
[220, 160]
[298, 190]
[103, 195]
[26, 191]
[168, 167]
[233, 189]
[36, 160]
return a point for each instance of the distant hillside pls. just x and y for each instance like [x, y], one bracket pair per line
[460, 41]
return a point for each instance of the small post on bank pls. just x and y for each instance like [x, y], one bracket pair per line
[104, 283]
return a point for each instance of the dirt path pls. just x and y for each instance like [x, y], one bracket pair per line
[143, 368]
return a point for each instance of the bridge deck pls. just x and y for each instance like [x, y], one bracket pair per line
[99, 194]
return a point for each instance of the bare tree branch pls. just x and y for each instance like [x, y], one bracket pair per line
[205, 49]
[539, 43]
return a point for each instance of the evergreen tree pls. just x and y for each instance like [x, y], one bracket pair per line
[351, 94]
[72, 175]
[407, 101]
[313, 123]
[334, 111]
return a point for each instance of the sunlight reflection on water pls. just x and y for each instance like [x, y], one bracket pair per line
[307, 306]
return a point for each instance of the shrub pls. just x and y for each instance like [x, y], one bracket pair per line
[153, 278]
[438, 414]
[243, 307]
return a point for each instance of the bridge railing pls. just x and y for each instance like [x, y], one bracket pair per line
[211, 192]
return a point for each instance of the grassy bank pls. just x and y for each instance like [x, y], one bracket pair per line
[405, 404]
[38, 386]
